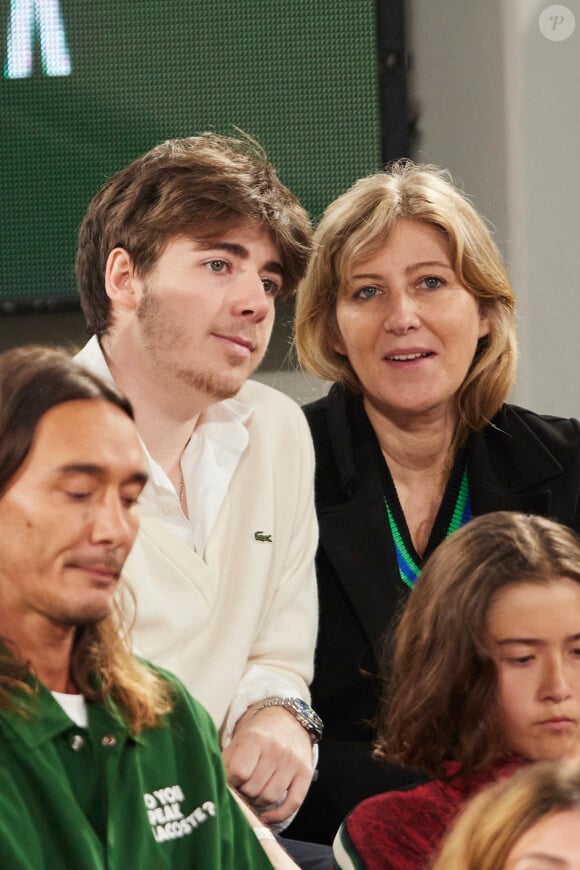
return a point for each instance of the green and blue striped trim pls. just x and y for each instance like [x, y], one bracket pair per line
[408, 568]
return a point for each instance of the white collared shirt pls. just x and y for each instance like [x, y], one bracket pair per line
[208, 462]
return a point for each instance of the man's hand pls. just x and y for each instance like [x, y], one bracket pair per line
[269, 759]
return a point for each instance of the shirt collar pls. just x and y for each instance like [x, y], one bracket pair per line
[209, 463]
[209, 460]
[38, 718]
[93, 358]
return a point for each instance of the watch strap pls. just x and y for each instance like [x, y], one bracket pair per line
[302, 712]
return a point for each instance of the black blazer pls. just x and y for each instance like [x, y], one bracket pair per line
[522, 461]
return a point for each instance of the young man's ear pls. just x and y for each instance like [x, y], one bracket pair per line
[120, 280]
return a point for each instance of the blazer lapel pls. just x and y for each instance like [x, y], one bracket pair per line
[364, 568]
[509, 468]
[355, 528]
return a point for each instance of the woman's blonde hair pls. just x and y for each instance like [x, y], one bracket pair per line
[492, 823]
[356, 226]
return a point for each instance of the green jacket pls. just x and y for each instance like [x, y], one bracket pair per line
[87, 799]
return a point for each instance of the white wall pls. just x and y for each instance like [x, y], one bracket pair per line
[499, 105]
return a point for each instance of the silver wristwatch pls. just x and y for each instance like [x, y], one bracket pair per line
[302, 712]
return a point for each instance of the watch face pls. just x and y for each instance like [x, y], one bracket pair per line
[302, 707]
[311, 720]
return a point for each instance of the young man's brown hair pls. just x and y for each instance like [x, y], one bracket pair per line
[199, 187]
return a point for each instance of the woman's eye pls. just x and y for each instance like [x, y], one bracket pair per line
[217, 265]
[432, 282]
[367, 292]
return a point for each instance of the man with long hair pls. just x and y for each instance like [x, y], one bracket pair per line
[105, 761]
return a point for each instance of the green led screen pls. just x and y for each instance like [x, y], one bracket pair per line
[89, 84]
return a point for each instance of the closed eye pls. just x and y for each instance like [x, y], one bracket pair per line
[78, 496]
[519, 660]
[131, 493]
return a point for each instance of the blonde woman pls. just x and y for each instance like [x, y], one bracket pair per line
[408, 309]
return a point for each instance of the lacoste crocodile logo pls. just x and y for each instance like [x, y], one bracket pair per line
[260, 536]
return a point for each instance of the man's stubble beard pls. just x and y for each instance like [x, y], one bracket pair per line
[211, 384]
[158, 342]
